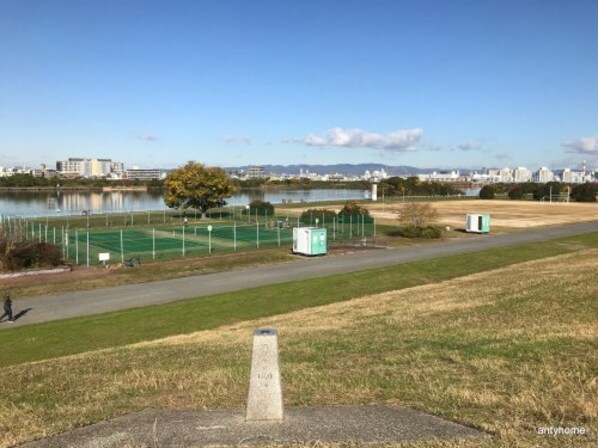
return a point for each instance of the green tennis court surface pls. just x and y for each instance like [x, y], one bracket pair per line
[159, 242]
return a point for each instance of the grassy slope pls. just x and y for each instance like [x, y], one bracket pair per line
[508, 351]
[59, 338]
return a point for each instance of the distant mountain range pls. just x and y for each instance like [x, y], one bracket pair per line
[347, 169]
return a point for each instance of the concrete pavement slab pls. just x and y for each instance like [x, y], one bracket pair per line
[187, 429]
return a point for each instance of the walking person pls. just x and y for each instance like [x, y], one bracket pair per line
[7, 307]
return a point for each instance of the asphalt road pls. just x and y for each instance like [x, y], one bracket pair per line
[53, 307]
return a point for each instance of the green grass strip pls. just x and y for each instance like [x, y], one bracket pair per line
[78, 335]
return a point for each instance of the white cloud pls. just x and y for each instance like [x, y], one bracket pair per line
[148, 137]
[469, 146]
[237, 140]
[588, 145]
[402, 140]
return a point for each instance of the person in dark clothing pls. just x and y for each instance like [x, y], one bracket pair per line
[7, 307]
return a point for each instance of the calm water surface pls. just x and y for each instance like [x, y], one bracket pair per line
[44, 203]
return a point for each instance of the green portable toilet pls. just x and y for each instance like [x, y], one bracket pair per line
[310, 241]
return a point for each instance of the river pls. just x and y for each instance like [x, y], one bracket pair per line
[48, 203]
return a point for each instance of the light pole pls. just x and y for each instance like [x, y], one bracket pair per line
[210, 239]
[248, 213]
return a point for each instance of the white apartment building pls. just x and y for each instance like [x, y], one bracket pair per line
[442, 176]
[572, 177]
[88, 167]
[521, 174]
[544, 175]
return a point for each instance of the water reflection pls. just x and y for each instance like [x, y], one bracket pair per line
[42, 203]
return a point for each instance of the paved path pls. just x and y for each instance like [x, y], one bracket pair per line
[72, 304]
[186, 429]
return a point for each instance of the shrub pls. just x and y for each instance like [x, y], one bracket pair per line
[323, 215]
[427, 232]
[487, 192]
[260, 208]
[19, 255]
[352, 208]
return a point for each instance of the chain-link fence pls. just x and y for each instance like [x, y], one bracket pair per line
[90, 241]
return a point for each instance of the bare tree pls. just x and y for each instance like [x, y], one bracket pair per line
[418, 214]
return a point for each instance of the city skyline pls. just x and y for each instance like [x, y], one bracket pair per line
[427, 84]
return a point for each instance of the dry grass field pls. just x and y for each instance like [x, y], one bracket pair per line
[508, 351]
[507, 214]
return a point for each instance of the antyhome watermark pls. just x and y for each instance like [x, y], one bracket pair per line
[559, 430]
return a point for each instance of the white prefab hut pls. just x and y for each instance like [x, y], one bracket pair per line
[309, 241]
[475, 223]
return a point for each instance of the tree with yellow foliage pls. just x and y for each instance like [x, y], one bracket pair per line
[196, 186]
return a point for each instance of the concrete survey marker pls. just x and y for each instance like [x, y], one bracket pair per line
[264, 401]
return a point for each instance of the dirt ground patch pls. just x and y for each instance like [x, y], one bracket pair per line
[513, 214]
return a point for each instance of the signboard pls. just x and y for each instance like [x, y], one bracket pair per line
[104, 256]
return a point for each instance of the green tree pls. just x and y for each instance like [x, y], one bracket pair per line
[516, 193]
[487, 192]
[585, 192]
[196, 186]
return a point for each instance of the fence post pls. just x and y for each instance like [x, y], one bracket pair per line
[257, 229]
[77, 247]
[334, 228]
[183, 241]
[122, 247]
[88, 249]
[362, 226]
[154, 243]
[234, 236]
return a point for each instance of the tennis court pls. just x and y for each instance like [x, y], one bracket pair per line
[83, 245]
[169, 242]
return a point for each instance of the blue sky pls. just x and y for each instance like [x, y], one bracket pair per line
[426, 83]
